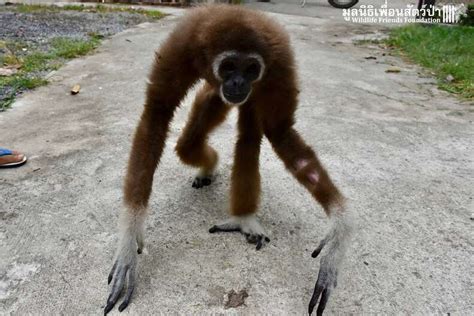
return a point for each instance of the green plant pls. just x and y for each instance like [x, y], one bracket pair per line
[34, 63]
[70, 48]
[467, 19]
[447, 50]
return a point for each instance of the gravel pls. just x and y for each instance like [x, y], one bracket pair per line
[39, 27]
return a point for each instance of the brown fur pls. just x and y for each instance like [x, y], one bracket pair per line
[186, 57]
[183, 59]
[208, 112]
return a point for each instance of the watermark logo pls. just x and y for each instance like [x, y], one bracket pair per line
[369, 14]
[450, 14]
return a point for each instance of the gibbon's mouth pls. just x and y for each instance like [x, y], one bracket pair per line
[235, 98]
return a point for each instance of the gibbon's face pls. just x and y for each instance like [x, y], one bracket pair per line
[236, 73]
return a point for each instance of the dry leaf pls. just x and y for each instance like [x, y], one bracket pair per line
[393, 70]
[235, 299]
[6, 72]
[75, 89]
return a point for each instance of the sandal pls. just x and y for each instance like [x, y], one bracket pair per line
[11, 158]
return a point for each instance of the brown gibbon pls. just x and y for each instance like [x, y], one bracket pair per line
[247, 63]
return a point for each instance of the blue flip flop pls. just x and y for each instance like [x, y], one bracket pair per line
[6, 152]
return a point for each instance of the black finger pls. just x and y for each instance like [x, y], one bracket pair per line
[130, 288]
[197, 183]
[108, 308]
[314, 299]
[259, 242]
[111, 274]
[322, 302]
[318, 250]
[117, 287]
[248, 237]
[251, 239]
[224, 228]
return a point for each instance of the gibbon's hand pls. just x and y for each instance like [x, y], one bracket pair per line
[327, 279]
[124, 267]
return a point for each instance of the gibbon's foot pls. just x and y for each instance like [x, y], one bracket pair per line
[124, 268]
[201, 181]
[248, 226]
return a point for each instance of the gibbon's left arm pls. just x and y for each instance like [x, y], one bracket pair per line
[303, 163]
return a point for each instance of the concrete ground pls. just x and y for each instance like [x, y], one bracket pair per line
[401, 151]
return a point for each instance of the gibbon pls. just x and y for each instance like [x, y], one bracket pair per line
[247, 63]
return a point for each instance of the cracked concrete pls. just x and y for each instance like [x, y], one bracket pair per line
[400, 149]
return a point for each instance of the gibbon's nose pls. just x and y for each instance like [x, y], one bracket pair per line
[238, 82]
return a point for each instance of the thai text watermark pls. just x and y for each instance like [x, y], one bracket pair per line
[369, 14]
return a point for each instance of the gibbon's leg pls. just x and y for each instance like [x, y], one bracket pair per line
[245, 186]
[164, 92]
[192, 148]
[302, 162]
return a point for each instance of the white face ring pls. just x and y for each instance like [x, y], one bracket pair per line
[215, 69]
[219, 58]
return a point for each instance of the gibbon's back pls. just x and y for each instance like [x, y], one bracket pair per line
[208, 30]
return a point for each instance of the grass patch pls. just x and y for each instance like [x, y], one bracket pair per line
[446, 50]
[71, 48]
[15, 84]
[34, 8]
[34, 64]
[36, 61]
[27, 82]
[154, 14]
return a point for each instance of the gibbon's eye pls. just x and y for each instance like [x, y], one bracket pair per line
[227, 68]
[252, 72]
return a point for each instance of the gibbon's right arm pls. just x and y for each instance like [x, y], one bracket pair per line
[171, 77]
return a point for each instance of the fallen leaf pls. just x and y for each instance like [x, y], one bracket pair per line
[393, 70]
[235, 299]
[370, 57]
[6, 72]
[14, 66]
[75, 89]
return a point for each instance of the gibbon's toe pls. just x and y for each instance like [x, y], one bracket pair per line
[200, 182]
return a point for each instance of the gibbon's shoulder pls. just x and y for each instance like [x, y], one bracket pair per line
[225, 27]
